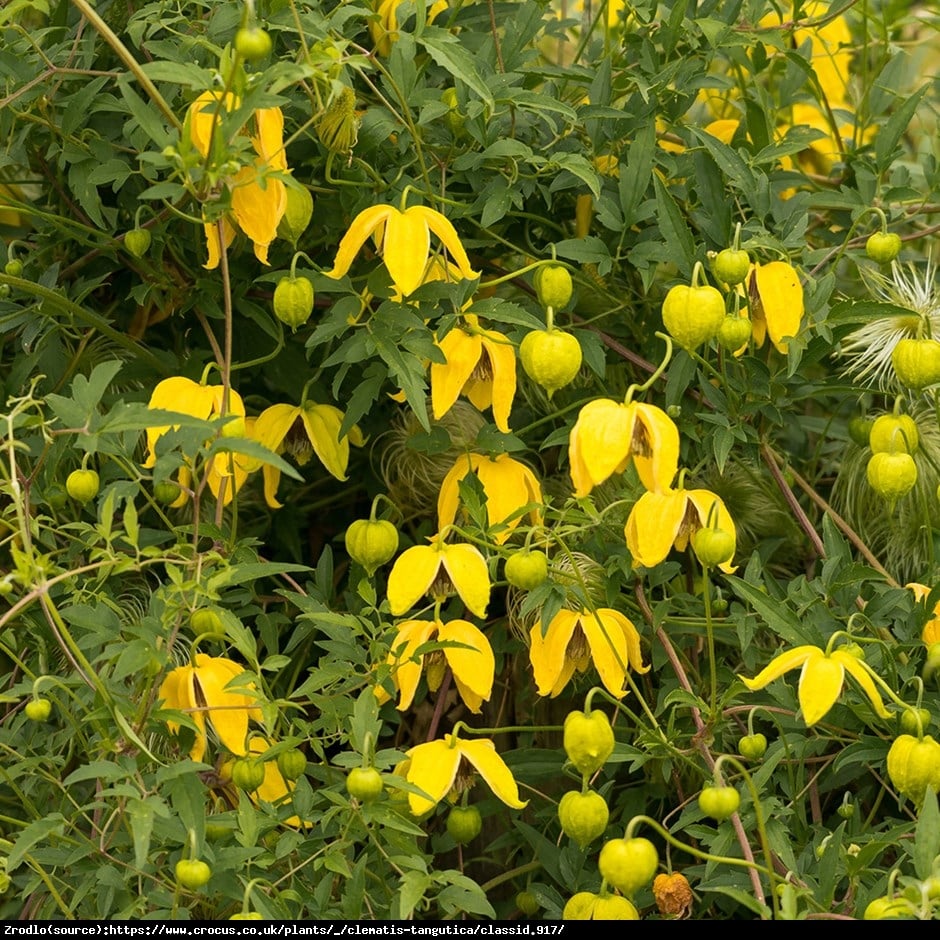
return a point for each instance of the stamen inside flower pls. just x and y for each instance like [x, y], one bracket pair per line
[640, 446]
[297, 443]
[464, 778]
[442, 587]
[577, 650]
[483, 370]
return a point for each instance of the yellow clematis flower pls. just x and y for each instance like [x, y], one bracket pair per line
[436, 568]
[201, 401]
[574, 639]
[259, 197]
[203, 691]
[434, 768]
[472, 664]
[821, 679]
[659, 521]
[481, 365]
[384, 28]
[508, 484]
[404, 239]
[775, 301]
[609, 434]
[302, 430]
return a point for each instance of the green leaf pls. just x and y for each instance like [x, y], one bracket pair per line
[578, 166]
[775, 613]
[450, 55]
[587, 250]
[890, 134]
[146, 116]
[141, 814]
[42, 830]
[414, 884]
[635, 182]
[675, 230]
[730, 162]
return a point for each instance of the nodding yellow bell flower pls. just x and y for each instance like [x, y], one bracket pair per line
[404, 240]
[471, 662]
[508, 484]
[435, 767]
[259, 196]
[303, 430]
[439, 569]
[204, 690]
[659, 521]
[576, 638]
[822, 676]
[775, 302]
[481, 365]
[609, 434]
[185, 396]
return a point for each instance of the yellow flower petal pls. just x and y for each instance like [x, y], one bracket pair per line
[228, 709]
[462, 352]
[181, 395]
[405, 248]
[502, 358]
[632, 636]
[448, 498]
[273, 423]
[323, 423]
[473, 667]
[411, 576]
[445, 231]
[212, 241]
[859, 672]
[469, 574]
[362, 227]
[781, 664]
[508, 484]
[921, 591]
[820, 684]
[654, 447]
[548, 653]
[653, 525]
[481, 753]
[608, 648]
[600, 443]
[433, 768]
[778, 291]
[259, 201]
[204, 118]
[405, 670]
[269, 143]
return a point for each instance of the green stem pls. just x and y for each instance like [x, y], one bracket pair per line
[710, 632]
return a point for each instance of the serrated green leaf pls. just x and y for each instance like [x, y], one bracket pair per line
[674, 228]
[451, 56]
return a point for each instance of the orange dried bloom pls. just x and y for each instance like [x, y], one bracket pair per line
[673, 895]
